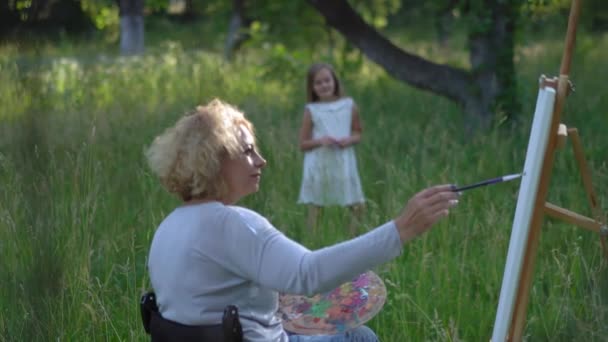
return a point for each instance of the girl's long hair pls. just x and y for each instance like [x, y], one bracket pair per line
[311, 96]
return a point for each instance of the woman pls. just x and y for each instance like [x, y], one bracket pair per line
[209, 253]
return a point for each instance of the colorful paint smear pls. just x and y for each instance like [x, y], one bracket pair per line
[343, 308]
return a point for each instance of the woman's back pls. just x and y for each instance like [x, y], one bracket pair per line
[194, 278]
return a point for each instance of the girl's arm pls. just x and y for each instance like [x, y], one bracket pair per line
[307, 143]
[355, 130]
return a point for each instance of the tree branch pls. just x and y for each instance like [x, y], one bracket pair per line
[441, 79]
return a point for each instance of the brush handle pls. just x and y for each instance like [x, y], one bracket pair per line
[477, 185]
[488, 182]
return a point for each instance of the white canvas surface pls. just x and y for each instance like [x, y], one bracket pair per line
[537, 145]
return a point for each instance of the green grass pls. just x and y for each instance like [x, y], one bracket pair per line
[78, 206]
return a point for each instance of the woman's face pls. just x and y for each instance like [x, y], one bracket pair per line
[242, 173]
[323, 85]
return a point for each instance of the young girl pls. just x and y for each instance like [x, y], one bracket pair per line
[330, 129]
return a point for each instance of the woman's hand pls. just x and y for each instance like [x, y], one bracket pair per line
[424, 210]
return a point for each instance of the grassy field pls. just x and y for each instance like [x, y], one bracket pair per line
[78, 206]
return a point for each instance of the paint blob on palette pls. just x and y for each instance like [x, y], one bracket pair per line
[346, 307]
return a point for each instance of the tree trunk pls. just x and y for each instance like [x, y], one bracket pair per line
[238, 22]
[444, 20]
[131, 27]
[9, 19]
[189, 11]
[491, 57]
[477, 90]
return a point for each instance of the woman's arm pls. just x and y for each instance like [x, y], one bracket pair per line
[246, 244]
[249, 246]
[289, 267]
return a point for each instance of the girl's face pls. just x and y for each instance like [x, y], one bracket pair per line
[242, 174]
[324, 86]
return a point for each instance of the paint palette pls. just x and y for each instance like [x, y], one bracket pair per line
[346, 307]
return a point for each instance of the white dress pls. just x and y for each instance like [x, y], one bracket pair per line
[330, 175]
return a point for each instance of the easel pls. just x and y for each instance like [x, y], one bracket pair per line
[556, 140]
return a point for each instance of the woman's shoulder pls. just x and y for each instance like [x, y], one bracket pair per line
[219, 212]
[251, 218]
[244, 212]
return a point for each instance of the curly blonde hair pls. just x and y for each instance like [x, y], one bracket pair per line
[188, 156]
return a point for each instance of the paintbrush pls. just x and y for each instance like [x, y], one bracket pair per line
[488, 182]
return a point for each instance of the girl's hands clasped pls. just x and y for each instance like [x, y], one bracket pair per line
[424, 210]
[334, 142]
[328, 141]
[344, 142]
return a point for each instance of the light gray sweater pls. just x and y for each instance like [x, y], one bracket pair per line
[206, 256]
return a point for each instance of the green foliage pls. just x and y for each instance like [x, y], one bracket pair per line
[594, 14]
[16, 99]
[376, 12]
[541, 8]
[103, 13]
[293, 36]
[23, 7]
[78, 206]
[292, 23]
[478, 16]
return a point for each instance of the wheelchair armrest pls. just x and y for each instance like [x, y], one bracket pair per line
[147, 305]
[231, 324]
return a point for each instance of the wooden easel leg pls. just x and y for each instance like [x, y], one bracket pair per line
[584, 169]
[525, 281]
[604, 245]
[587, 183]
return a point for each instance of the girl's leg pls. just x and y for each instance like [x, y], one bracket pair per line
[357, 211]
[313, 216]
[360, 334]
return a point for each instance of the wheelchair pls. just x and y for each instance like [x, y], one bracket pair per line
[164, 330]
